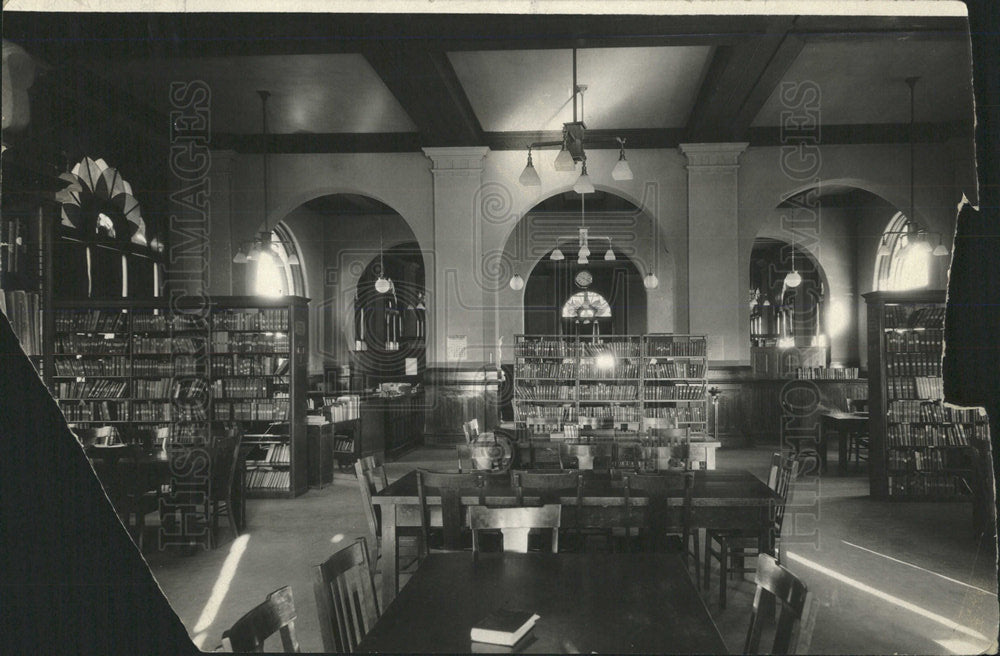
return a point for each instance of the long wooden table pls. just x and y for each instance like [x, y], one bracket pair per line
[587, 602]
[844, 424]
[723, 498]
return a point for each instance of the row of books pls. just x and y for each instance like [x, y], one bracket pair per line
[268, 479]
[276, 454]
[545, 414]
[937, 485]
[90, 345]
[153, 388]
[621, 369]
[109, 366]
[675, 370]
[913, 364]
[677, 414]
[930, 341]
[78, 411]
[546, 348]
[826, 373]
[23, 310]
[167, 345]
[909, 435]
[160, 367]
[269, 319]
[343, 408]
[245, 388]
[530, 391]
[263, 410]
[543, 369]
[608, 392]
[908, 316]
[98, 321]
[918, 461]
[680, 391]
[915, 387]
[906, 410]
[343, 444]
[106, 388]
[248, 365]
[190, 388]
[621, 349]
[223, 342]
[149, 411]
[676, 346]
[615, 413]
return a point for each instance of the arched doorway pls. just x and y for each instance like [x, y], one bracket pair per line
[782, 314]
[601, 293]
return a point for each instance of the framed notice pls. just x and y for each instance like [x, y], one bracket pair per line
[457, 347]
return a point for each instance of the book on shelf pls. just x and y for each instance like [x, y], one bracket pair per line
[680, 391]
[607, 392]
[97, 321]
[544, 391]
[505, 626]
[675, 346]
[674, 369]
[910, 316]
[263, 319]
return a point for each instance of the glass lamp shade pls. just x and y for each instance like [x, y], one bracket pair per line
[293, 260]
[382, 285]
[583, 184]
[793, 279]
[883, 249]
[651, 281]
[529, 176]
[254, 253]
[516, 282]
[240, 257]
[584, 251]
[610, 255]
[622, 170]
[582, 260]
[557, 255]
[564, 161]
[940, 250]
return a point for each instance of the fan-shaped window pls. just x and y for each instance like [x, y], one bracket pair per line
[586, 305]
[903, 263]
[278, 272]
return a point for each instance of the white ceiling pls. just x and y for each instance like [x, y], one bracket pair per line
[522, 90]
[863, 81]
[309, 93]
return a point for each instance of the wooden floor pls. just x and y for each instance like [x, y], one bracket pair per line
[889, 577]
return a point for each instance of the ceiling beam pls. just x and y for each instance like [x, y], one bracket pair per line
[425, 84]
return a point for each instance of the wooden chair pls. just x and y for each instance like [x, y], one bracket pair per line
[514, 524]
[663, 521]
[797, 618]
[222, 502]
[372, 479]
[857, 446]
[449, 486]
[547, 482]
[582, 456]
[735, 546]
[275, 615]
[345, 598]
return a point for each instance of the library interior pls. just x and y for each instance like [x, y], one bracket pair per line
[551, 333]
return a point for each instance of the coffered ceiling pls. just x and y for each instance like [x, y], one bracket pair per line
[396, 83]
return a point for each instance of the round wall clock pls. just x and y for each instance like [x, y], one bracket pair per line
[583, 279]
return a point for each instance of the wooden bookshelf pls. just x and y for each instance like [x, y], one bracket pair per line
[625, 382]
[920, 448]
[144, 366]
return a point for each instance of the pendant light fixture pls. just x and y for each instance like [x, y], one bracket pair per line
[571, 149]
[793, 279]
[651, 281]
[609, 256]
[516, 282]
[382, 284]
[261, 245]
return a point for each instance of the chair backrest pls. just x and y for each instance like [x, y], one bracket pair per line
[225, 456]
[584, 454]
[275, 615]
[471, 430]
[372, 479]
[560, 479]
[772, 475]
[448, 485]
[857, 405]
[798, 613]
[787, 472]
[659, 487]
[515, 523]
[345, 598]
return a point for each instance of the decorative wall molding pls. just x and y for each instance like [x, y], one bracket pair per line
[713, 155]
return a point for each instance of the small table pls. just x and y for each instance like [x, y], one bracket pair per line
[606, 603]
[844, 424]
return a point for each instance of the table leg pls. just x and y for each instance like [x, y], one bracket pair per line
[390, 565]
[844, 439]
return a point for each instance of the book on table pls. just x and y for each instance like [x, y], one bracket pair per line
[503, 627]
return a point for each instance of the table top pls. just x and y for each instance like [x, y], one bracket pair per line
[728, 487]
[587, 602]
[841, 416]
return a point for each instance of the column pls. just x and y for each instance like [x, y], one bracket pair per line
[456, 309]
[714, 294]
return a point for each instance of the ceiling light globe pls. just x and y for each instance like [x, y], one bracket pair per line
[651, 281]
[516, 282]
[793, 279]
[382, 285]
[621, 171]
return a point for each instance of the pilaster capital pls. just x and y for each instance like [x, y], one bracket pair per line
[713, 155]
[457, 161]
